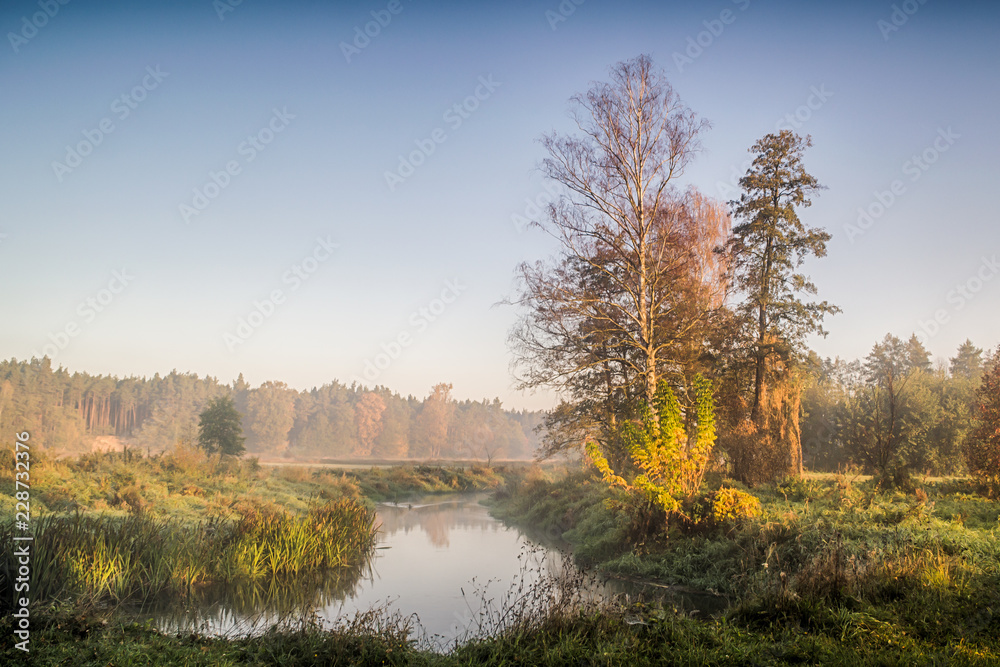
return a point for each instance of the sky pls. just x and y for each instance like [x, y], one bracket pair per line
[311, 191]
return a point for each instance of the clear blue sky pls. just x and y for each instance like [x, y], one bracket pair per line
[196, 87]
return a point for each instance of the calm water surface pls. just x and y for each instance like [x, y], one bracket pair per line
[438, 558]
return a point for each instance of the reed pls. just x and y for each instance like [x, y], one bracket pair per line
[107, 559]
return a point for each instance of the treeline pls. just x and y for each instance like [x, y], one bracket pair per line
[893, 413]
[66, 411]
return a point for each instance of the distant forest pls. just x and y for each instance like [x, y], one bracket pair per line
[68, 412]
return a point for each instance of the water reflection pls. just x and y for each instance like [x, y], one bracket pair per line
[437, 517]
[432, 554]
[435, 554]
[442, 559]
[231, 609]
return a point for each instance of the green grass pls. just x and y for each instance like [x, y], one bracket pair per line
[834, 571]
[829, 558]
[92, 558]
[632, 635]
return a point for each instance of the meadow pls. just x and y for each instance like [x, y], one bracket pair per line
[834, 570]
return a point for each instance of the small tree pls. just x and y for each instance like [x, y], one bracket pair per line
[668, 459]
[219, 428]
[982, 445]
[889, 414]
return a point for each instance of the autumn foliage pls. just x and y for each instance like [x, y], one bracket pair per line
[669, 461]
[982, 446]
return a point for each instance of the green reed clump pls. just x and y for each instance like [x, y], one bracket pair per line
[96, 557]
[100, 558]
[268, 543]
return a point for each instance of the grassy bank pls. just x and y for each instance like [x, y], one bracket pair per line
[835, 560]
[625, 636]
[93, 559]
[187, 485]
[398, 483]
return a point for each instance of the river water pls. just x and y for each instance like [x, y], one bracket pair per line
[441, 561]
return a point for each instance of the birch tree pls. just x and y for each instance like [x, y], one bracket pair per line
[626, 301]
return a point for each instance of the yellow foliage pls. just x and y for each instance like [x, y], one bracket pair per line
[732, 505]
[671, 465]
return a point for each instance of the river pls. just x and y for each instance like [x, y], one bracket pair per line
[438, 561]
[441, 561]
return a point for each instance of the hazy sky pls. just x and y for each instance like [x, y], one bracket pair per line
[169, 169]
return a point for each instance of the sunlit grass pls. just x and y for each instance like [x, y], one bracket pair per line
[830, 555]
[96, 558]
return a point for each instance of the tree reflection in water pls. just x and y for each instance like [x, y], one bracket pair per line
[250, 607]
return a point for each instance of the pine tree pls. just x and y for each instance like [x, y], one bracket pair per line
[765, 252]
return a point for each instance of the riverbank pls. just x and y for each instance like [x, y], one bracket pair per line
[832, 560]
[187, 485]
[112, 528]
[833, 572]
[629, 636]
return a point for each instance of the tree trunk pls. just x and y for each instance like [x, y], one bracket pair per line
[758, 386]
[765, 281]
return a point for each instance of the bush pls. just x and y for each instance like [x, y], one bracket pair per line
[732, 506]
[668, 459]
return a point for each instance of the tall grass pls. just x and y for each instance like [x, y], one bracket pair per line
[266, 544]
[96, 558]
[825, 556]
